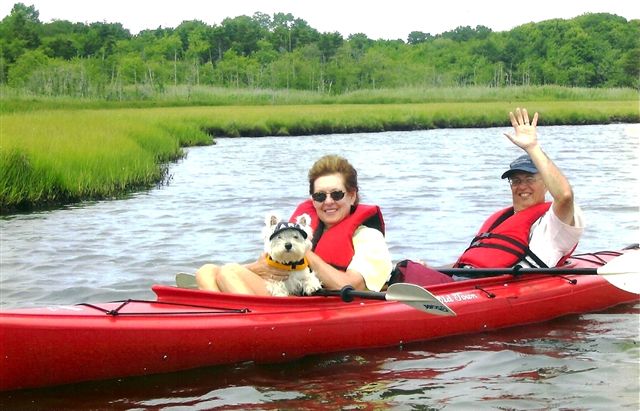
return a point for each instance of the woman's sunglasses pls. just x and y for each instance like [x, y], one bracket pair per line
[335, 196]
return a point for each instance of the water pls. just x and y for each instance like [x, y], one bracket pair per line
[435, 188]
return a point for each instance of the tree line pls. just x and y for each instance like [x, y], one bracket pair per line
[105, 60]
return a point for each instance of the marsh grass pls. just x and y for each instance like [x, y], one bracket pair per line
[55, 157]
[13, 100]
[52, 157]
[349, 118]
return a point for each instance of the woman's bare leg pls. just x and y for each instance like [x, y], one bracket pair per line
[207, 277]
[238, 279]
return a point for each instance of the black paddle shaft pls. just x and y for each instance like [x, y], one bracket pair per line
[489, 272]
[348, 293]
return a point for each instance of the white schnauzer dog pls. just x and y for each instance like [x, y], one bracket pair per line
[285, 244]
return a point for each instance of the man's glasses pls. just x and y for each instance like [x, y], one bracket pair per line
[335, 196]
[514, 182]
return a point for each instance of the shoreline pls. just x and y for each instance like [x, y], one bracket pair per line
[68, 155]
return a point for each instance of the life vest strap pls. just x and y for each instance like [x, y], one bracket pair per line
[522, 255]
[295, 266]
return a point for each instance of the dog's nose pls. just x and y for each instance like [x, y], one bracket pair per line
[288, 246]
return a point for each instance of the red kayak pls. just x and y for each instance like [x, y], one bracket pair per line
[185, 328]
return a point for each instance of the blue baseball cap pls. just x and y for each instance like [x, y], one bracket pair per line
[522, 163]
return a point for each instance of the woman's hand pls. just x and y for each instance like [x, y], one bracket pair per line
[331, 277]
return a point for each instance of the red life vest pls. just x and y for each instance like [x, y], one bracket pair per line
[503, 239]
[335, 245]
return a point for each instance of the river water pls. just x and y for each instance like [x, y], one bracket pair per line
[435, 188]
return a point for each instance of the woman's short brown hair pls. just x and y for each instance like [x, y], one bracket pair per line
[334, 164]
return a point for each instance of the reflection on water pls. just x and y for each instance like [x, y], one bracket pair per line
[435, 188]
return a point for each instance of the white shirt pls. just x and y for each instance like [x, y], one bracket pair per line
[371, 257]
[550, 238]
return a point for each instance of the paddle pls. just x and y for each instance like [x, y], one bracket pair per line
[621, 271]
[185, 280]
[409, 294]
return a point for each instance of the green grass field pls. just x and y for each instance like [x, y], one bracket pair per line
[57, 156]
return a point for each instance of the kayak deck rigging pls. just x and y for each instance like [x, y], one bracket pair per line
[124, 303]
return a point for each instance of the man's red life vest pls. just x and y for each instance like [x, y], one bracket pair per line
[503, 239]
[335, 245]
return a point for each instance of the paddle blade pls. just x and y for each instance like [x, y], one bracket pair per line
[185, 280]
[622, 271]
[417, 297]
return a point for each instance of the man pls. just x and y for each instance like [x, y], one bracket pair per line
[532, 232]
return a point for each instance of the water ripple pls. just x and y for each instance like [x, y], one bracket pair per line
[435, 188]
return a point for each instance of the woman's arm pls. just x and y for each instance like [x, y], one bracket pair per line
[331, 277]
[370, 266]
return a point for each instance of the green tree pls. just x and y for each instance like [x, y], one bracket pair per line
[592, 50]
[18, 34]
[281, 31]
[242, 33]
[329, 43]
[359, 43]
[21, 72]
[101, 38]
[417, 37]
[62, 38]
[302, 34]
[466, 33]
[630, 63]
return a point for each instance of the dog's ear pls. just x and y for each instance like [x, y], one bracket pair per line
[304, 221]
[271, 219]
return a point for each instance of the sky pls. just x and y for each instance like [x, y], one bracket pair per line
[388, 19]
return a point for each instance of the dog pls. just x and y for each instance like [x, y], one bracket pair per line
[285, 244]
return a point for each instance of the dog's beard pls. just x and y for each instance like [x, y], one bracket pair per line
[281, 254]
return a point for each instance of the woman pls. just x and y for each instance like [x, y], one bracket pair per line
[348, 242]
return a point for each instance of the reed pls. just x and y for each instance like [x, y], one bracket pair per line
[56, 157]
[52, 157]
[348, 118]
[180, 96]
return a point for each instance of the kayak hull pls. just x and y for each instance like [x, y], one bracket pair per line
[184, 329]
